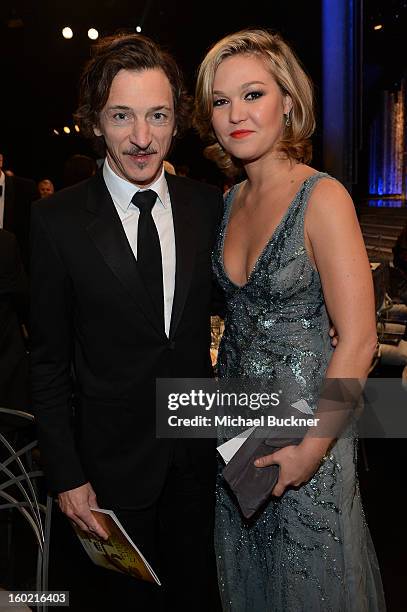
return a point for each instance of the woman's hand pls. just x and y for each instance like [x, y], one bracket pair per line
[297, 465]
[333, 334]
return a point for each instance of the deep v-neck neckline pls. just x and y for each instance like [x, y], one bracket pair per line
[268, 242]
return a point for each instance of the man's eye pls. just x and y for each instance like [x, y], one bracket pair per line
[119, 116]
[219, 102]
[253, 95]
[159, 116]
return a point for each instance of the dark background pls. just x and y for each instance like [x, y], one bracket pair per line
[40, 69]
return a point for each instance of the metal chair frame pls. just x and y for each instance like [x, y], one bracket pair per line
[21, 480]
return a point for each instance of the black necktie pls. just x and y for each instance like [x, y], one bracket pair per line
[1, 190]
[149, 249]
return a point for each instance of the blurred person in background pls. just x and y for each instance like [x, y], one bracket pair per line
[16, 196]
[45, 188]
[77, 168]
[13, 316]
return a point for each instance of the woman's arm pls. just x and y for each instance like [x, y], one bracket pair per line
[334, 242]
[335, 245]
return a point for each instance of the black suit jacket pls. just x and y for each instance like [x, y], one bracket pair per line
[91, 309]
[19, 194]
[13, 312]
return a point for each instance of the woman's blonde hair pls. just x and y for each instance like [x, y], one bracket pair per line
[290, 77]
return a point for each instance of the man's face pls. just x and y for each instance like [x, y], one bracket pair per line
[46, 188]
[138, 124]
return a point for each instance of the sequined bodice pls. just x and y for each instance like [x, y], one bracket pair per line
[276, 324]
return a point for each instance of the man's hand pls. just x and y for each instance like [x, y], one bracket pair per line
[76, 505]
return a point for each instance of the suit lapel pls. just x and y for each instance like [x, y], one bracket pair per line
[107, 233]
[185, 244]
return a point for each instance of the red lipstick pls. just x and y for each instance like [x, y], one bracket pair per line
[241, 133]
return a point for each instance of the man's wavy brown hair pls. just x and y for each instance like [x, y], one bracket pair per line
[126, 52]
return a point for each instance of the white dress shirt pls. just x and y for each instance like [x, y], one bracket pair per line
[2, 189]
[122, 192]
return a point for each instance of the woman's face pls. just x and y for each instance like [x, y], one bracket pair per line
[248, 108]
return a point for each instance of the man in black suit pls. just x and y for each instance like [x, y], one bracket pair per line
[16, 197]
[13, 312]
[121, 292]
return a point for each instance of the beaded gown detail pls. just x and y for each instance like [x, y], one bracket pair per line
[310, 550]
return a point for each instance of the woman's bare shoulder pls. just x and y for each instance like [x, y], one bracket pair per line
[330, 195]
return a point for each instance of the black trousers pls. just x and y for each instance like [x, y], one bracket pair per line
[176, 537]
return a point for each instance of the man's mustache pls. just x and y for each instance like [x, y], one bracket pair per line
[138, 151]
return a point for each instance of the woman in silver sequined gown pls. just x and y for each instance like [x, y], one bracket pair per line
[309, 548]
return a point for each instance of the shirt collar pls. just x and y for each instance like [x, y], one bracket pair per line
[2, 178]
[122, 191]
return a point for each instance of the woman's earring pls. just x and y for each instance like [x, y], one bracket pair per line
[287, 119]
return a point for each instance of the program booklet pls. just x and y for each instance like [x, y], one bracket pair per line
[119, 552]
